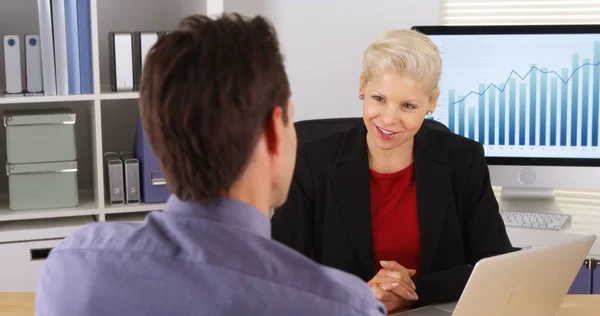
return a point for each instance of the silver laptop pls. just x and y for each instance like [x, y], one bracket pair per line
[527, 282]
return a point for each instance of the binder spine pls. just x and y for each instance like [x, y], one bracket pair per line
[85, 46]
[121, 61]
[12, 64]
[137, 60]
[72, 32]
[111, 61]
[33, 64]
[595, 276]
[60, 47]
[47, 47]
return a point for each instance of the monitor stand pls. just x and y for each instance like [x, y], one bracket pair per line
[527, 199]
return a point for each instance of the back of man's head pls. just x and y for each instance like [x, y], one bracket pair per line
[208, 92]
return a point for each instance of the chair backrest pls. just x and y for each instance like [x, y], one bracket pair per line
[308, 130]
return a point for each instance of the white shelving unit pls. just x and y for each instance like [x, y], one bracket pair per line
[106, 121]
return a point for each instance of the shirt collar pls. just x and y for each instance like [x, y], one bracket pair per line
[224, 210]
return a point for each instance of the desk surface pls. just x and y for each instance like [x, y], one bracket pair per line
[17, 304]
[23, 304]
[580, 305]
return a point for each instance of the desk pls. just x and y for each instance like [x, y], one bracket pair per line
[573, 305]
[17, 304]
[580, 305]
[524, 237]
[23, 304]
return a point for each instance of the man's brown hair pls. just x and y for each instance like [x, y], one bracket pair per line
[206, 93]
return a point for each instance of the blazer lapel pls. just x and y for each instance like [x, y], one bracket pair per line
[350, 179]
[432, 176]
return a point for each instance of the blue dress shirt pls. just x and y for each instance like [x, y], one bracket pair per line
[192, 259]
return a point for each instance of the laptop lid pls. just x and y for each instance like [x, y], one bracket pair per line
[527, 282]
[523, 283]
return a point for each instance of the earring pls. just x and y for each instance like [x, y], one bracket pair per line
[429, 112]
[361, 96]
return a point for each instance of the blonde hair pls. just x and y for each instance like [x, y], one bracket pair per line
[408, 52]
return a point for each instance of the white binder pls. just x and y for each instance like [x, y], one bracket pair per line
[121, 61]
[47, 47]
[33, 64]
[12, 65]
[142, 43]
[60, 47]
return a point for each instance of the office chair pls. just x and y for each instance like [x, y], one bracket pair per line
[308, 130]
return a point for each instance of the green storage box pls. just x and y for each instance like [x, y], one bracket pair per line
[41, 159]
[40, 136]
[42, 185]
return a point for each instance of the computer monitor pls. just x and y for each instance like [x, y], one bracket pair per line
[530, 95]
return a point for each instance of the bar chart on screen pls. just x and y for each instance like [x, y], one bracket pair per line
[550, 105]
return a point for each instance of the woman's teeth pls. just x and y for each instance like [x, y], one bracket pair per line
[386, 131]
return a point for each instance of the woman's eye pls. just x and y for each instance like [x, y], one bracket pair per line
[409, 106]
[378, 98]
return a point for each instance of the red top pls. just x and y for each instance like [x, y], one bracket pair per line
[394, 218]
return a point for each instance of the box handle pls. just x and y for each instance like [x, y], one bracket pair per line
[70, 121]
[10, 167]
[39, 254]
[157, 178]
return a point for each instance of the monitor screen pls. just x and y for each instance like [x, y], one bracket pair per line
[523, 92]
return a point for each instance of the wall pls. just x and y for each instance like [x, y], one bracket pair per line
[323, 42]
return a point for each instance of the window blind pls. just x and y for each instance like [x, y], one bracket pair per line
[506, 12]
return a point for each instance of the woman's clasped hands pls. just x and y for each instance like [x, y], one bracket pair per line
[393, 286]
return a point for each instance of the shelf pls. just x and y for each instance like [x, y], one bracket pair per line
[127, 217]
[119, 95]
[45, 99]
[87, 206]
[36, 229]
[132, 208]
[69, 98]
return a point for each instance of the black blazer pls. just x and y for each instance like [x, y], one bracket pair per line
[327, 215]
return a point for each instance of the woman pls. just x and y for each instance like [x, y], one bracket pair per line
[407, 208]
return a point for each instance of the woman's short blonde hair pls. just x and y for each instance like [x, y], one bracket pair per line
[408, 52]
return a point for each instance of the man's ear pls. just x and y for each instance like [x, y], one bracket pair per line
[274, 130]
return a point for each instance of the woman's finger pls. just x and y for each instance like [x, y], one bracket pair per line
[380, 294]
[400, 277]
[387, 286]
[382, 278]
[395, 266]
[405, 291]
[400, 289]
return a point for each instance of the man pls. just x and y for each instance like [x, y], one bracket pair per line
[215, 107]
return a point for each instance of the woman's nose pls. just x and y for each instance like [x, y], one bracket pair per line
[389, 116]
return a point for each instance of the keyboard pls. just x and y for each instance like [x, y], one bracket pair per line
[535, 220]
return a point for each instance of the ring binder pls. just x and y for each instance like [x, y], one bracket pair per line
[121, 61]
[12, 65]
[582, 284]
[595, 276]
